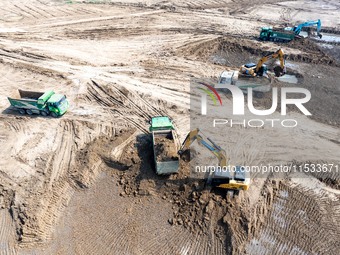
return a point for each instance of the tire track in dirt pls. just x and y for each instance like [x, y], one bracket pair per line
[110, 103]
[34, 10]
[127, 104]
[25, 12]
[88, 11]
[14, 126]
[7, 237]
[65, 11]
[301, 222]
[95, 19]
[200, 4]
[11, 11]
[47, 201]
[46, 11]
[64, 151]
[124, 229]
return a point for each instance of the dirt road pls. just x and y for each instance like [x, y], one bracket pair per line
[84, 177]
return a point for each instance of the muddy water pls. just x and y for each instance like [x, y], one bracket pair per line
[330, 37]
[288, 78]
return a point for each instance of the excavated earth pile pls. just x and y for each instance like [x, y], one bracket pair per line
[85, 183]
[165, 149]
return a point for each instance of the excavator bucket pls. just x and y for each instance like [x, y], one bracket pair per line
[278, 71]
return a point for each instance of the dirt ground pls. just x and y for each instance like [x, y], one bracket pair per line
[165, 149]
[85, 183]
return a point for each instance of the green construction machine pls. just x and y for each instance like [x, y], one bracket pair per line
[165, 145]
[288, 33]
[269, 34]
[48, 103]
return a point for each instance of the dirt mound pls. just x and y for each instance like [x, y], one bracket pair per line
[330, 30]
[72, 168]
[201, 49]
[6, 196]
[313, 49]
[165, 149]
[195, 208]
[96, 152]
[192, 206]
[202, 212]
[235, 51]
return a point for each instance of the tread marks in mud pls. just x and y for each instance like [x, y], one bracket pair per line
[46, 12]
[6, 234]
[204, 4]
[301, 221]
[26, 13]
[49, 201]
[105, 100]
[128, 105]
[62, 158]
[14, 126]
[56, 194]
[40, 14]
[35, 11]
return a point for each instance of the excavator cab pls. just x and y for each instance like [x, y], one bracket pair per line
[249, 70]
[235, 178]
[265, 32]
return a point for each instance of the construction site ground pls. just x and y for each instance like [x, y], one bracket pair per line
[85, 183]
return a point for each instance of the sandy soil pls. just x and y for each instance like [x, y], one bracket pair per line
[88, 177]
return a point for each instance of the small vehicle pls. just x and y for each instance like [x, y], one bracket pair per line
[48, 103]
[231, 78]
[164, 141]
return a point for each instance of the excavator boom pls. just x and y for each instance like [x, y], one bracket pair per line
[278, 54]
[221, 179]
[212, 147]
[260, 69]
[297, 29]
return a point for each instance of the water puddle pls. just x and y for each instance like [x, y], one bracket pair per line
[326, 37]
[288, 78]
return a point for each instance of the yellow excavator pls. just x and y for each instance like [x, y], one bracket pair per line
[225, 177]
[260, 69]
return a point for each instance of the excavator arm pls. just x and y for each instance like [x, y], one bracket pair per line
[222, 179]
[278, 54]
[211, 146]
[297, 29]
[189, 139]
[261, 62]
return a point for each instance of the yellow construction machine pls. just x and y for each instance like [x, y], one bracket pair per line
[226, 177]
[260, 69]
